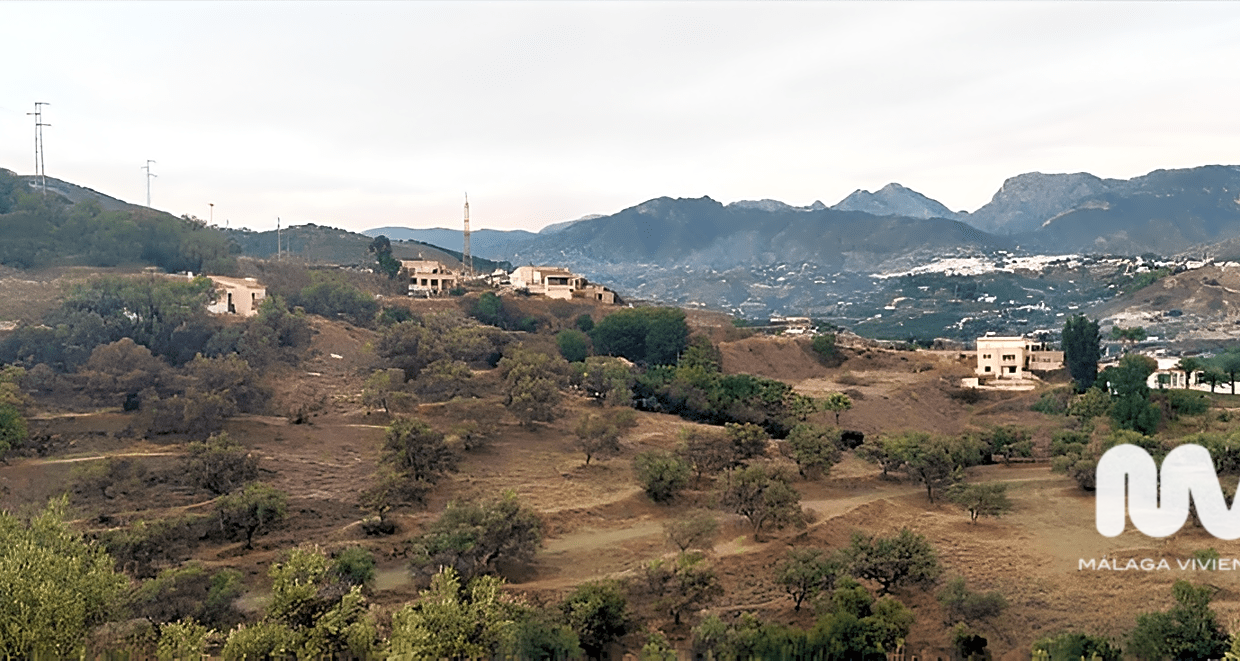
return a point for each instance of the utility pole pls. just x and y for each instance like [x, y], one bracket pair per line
[211, 218]
[467, 260]
[147, 167]
[40, 167]
[277, 238]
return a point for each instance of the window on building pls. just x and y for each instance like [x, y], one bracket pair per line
[987, 368]
[1011, 369]
[986, 356]
[1009, 356]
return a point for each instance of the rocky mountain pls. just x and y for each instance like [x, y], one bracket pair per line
[1024, 202]
[1163, 212]
[702, 232]
[895, 200]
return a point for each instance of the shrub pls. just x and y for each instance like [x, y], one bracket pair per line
[763, 496]
[695, 529]
[574, 345]
[355, 566]
[471, 538]
[220, 464]
[828, 352]
[599, 614]
[1073, 646]
[661, 474]
[962, 604]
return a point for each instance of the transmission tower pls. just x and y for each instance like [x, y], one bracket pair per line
[40, 168]
[147, 167]
[467, 260]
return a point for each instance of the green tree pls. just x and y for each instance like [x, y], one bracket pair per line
[762, 496]
[473, 537]
[597, 436]
[939, 462]
[574, 345]
[1228, 363]
[662, 474]
[254, 508]
[1081, 350]
[55, 586]
[989, 499]
[327, 614]
[584, 323]
[605, 379]
[837, 403]
[13, 430]
[411, 447]
[891, 451]
[1188, 630]
[681, 585]
[381, 248]
[599, 614]
[748, 441]
[1093, 403]
[220, 464]
[905, 559]
[532, 384]
[706, 449]
[451, 621]
[805, 572]
[189, 593]
[1130, 405]
[814, 448]
[382, 389]
[695, 529]
[653, 336]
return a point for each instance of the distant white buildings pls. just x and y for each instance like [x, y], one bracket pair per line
[428, 277]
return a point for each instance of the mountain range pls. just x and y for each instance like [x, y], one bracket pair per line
[1164, 212]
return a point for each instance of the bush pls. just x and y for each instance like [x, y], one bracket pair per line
[220, 464]
[584, 323]
[190, 593]
[661, 474]
[1053, 402]
[598, 612]
[1188, 402]
[814, 448]
[905, 559]
[532, 384]
[828, 352]
[471, 538]
[355, 566]
[574, 345]
[1073, 646]
[962, 604]
[652, 336]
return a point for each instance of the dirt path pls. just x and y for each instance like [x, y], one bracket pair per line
[103, 456]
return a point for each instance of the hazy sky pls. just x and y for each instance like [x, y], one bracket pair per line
[361, 115]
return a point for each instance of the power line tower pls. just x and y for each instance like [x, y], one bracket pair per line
[40, 166]
[147, 167]
[467, 260]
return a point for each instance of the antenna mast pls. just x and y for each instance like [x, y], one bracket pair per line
[40, 167]
[277, 238]
[467, 260]
[147, 167]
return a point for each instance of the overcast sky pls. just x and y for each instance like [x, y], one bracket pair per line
[362, 115]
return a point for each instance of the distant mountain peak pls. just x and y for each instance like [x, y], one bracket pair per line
[894, 200]
[773, 206]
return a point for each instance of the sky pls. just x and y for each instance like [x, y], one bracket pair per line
[360, 115]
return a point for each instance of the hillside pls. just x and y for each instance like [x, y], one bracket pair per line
[598, 522]
[327, 245]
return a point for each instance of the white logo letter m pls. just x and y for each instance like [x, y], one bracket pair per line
[1187, 470]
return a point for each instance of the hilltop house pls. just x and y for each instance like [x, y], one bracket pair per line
[239, 296]
[1013, 357]
[558, 282]
[428, 277]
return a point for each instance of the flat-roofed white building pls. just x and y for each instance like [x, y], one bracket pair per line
[558, 282]
[239, 296]
[1012, 357]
